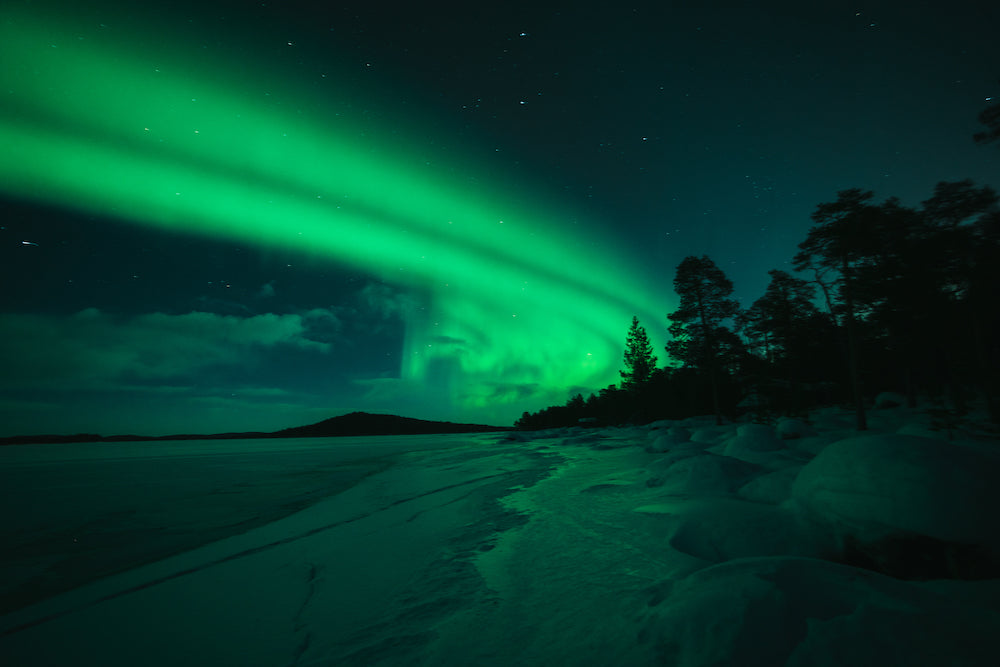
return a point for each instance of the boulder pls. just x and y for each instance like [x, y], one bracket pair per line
[752, 441]
[800, 612]
[663, 442]
[788, 428]
[889, 399]
[909, 506]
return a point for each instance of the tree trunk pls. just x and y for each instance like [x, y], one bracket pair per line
[710, 361]
[826, 296]
[986, 378]
[852, 351]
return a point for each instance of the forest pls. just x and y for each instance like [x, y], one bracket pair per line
[884, 297]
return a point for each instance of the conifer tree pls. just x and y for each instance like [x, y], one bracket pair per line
[787, 303]
[700, 339]
[841, 240]
[990, 117]
[640, 362]
[783, 318]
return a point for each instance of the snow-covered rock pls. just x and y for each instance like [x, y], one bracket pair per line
[772, 488]
[788, 428]
[751, 441]
[702, 473]
[923, 430]
[710, 434]
[586, 438]
[889, 399]
[800, 612]
[698, 421]
[662, 424]
[884, 498]
[720, 529]
[663, 442]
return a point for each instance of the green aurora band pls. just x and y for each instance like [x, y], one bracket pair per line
[516, 304]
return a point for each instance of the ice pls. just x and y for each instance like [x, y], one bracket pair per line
[683, 543]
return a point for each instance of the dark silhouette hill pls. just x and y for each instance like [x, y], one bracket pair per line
[353, 424]
[365, 423]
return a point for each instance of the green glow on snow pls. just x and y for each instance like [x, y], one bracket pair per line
[518, 305]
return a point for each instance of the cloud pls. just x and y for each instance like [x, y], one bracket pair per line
[95, 349]
[508, 392]
[322, 325]
[222, 306]
[387, 302]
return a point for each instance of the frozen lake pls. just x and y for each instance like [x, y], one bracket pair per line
[225, 543]
[72, 513]
[685, 544]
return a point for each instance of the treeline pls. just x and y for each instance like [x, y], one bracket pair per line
[885, 298]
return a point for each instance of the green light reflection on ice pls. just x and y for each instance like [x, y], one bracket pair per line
[519, 305]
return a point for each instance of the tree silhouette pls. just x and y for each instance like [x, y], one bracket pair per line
[753, 324]
[639, 358]
[911, 296]
[893, 288]
[784, 318]
[700, 340]
[841, 240]
[960, 225]
[990, 117]
[982, 296]
[787, 302]
[955, 202]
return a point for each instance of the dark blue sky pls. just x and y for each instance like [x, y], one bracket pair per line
[669, 130]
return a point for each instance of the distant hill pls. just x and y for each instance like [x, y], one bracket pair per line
[353, 424]
[364, 423]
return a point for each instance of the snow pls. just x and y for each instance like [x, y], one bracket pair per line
[675, 436]
[882, 484]
[681, 543]
[753, 442]
[789, 428]
[808, 612]
[889, 399]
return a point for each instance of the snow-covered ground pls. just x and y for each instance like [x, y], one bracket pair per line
[678, 543]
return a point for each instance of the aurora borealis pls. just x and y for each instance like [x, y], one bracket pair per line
[311, 145]
[153, 139]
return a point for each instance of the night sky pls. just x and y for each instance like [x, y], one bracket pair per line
[235, 216]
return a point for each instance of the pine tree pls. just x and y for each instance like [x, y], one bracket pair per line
[841, 241]
[960, 233]
[787, 303]
[640, 362]
[700, 340]
[783, 318]
[990, 117]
